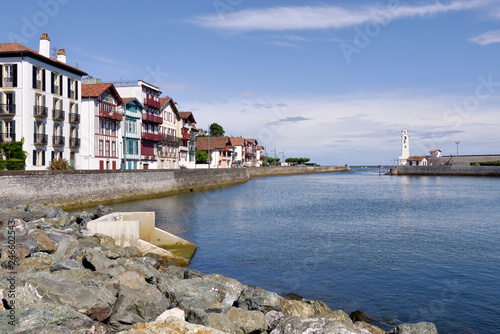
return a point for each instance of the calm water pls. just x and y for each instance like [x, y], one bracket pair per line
[402, 249]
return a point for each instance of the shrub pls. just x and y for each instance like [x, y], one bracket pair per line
[59, 164]
[489, 163]
[15, 164]
[2, 164]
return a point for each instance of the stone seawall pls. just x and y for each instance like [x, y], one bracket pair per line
[74, 189]
[446, 170]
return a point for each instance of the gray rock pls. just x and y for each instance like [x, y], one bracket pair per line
[36, 207]
[135, 264]
[258, 299]
[53, 212]
[67, 264]
[273, 318]
[43, 241]
[9, 203]
[171, 325]
[193, 273]
[39, 317]
[136, 306]
[175, 271]
[39, 261]
[132, 251]
[419, 328]
[76, 326]
[102, 210]
[337, 315]
[237, 321]
[295, 325]
[105, 240]
[94, 260]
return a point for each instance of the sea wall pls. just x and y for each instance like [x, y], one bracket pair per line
[446, 170]
[74, 189]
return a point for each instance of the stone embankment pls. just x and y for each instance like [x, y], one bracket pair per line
[446, 170]
[57, 277]
[77, 189]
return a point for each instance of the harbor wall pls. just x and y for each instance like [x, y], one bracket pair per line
[293, 170]
[446, 170]
[76, 189]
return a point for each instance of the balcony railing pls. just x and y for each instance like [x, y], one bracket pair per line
[74, 142]
[148, 157]
[39, 139]
[57, 141]
[7, 109]
[58, 115]
[192, 148]
[40, 111]
[150, 102]
[132, 156]
[7, 137]
[185, 135]
[151, 136]
[71, 94]
[74, 117]
[111, 114]
[8, 81]
[171, 139]
[147, 117]
[38, 84]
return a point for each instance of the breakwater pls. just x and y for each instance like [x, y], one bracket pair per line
[74, 189]
[446, 170]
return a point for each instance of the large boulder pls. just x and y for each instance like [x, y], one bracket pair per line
[43, 241]
[237, 321]
[419, 328]
[171, 325]
[295, 325]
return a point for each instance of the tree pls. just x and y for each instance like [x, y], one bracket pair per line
[271, 161]
[297, 160]
[201, 157]
[216, 130]
[15, 156]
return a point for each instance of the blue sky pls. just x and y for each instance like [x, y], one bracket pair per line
[336, 81]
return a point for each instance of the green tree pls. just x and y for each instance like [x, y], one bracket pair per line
[14, 155]
[297, 160]
[201, 157]
[216, 130]
[271, 161]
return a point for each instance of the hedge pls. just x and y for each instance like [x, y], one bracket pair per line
[12, 164]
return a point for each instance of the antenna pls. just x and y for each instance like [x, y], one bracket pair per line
[53, 52]
[76, 64]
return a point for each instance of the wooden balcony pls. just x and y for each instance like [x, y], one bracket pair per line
[150, 102]
[40, 111]
[111, 114]
[39, 139]
[171, 139]
[151, 136]
[151, 118]
[57, 115]
[58, 141]
[7, 109]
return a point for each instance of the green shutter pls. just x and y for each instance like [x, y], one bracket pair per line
[1, 94]
[43, 101]
[76, 90]
[14, 75]
[43, 158]
[76, 108]
[14, 98]
[43, 129]
[35, 131]
[69, 85]
[34, 157]
[14, 126]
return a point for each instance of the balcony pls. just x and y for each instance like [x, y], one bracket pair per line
[7, 137]
[71, 94]
[148, 157]
[8, 81]
[111, 114]
[147, 117]
[7, 109]
[40, 111]
[171, 139]
[150, 102]
[57, 141]
[132, 156]
[40, 139]
[192, 148]
[185, 135]
[58, 115]
[151, 136]
[74, 117]
[74, 142]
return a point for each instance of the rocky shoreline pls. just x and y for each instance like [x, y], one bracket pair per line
[57, 277]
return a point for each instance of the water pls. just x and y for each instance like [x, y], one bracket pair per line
[402, 249]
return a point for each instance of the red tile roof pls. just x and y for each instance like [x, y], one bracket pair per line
[238, 141]
[216, 143]
[416, 158]
[95, 90]
[16, 48]
[187, 115]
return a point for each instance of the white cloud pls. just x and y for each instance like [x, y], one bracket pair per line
[325, 17]
[486, 38]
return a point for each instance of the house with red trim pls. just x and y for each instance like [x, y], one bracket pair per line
[417, 161]
[220, 149]
[168, 150]
[187, 147]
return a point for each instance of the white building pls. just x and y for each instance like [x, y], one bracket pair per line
[39, 102]
[435, 153]
[405, 147]
[131, 132]
[219, 149]
[187, 147]
[168, 155]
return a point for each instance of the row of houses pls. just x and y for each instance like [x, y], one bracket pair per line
[94, 125]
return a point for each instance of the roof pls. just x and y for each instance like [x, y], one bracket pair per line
[16, 49]
[187, 115]
[168, 100]
[134, 99]
[416, 158]
[252, 141]
[431, 151]
[238, 141]
[260, 147]
[95, 90]
[216, 143]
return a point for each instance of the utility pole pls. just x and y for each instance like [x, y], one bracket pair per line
[457, 142]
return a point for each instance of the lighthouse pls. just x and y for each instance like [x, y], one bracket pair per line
[405, 147]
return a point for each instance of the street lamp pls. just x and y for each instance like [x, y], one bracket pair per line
[457, 142]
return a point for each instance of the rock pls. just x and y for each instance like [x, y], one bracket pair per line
[43, 241]
[419, 328]
[175, 271]
[192, 273]
[130, 279]
[35, 207]
[305, 308]
[39, 317]
[135, 264]
[79, 326]
[39, 261]
[371, 328]
[9, 203]
[94, 260]
[360, 316]
[113, 271]
[102, 210]
[171, 326]
[337, 315]
[295, 325]
[237, 321]
[174, 312]
[132, 251]
[137, 305]
[53, 212]
[211, 293]
[67, 264]
[273, 318]
[105, 240]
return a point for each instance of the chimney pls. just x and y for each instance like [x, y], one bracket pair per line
[45, 45]
[61, 55]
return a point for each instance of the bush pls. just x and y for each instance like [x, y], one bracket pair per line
[489, 163]
[15, 164]
[59, 164]
[2, 164]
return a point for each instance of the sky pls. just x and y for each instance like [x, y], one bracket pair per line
[335, 81]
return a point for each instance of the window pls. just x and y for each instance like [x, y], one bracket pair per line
[107, 148]
[72, 160]
[38, 158]
[38, 78]
[8, 75]
[56, 83]
[113, 149]
[58, 130]
[100, 148]
[72, 89]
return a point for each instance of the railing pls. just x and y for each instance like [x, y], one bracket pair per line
[147, 117]
[133, 135]
[38, 84]
[171, 139]
[112, 114]
[74, 142]
[148, 157]
[7, 109]
[7, 137]
[8, 81]
[58, 141]
[40, 111]
[71, 94]
[133, 114]
[56, 89]
[129, 156]
[58, 115]
[151, 102]
[185, 135]
[74, 117]
[151, 136]
[39, 139]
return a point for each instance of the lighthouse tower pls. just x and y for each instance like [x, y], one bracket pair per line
[405, 147]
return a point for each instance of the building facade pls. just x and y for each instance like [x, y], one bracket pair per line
[168, 151]
[131, 133]
[101, 126]
[187, 147]
[151, 136]
[220, 150]
[40, 103]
